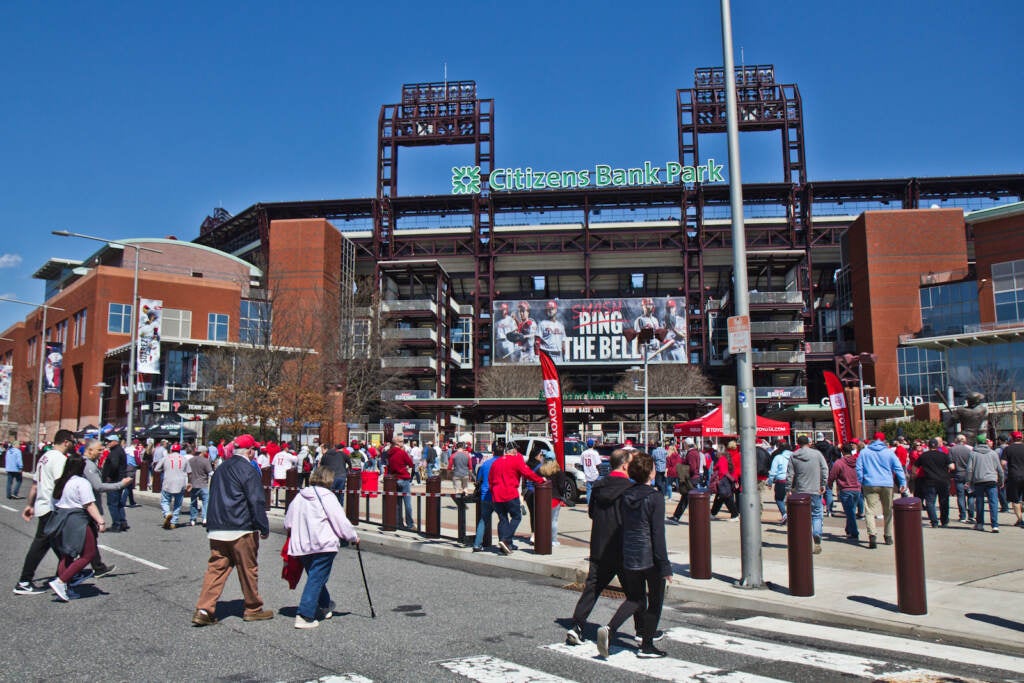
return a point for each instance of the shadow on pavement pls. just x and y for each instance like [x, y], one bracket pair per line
[996, 621]
[874, 602]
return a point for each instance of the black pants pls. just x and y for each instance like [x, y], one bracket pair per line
[598, 578]
[37, 550]
[729, 502]
[645, 594]
[684, 499]
[528, 499]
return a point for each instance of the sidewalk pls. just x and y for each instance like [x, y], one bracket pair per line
[975, 580]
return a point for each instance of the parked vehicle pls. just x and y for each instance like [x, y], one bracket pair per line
[529, 445]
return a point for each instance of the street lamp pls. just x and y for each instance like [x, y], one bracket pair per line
[860, 359]
[643, 338]
[99, 418]
[134, 320]
[42, 357]
[458, 420]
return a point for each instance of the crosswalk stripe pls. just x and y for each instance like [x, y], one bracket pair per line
[961, 655]
[665, 669]
[923, 676]
[343, 678]
[487, 669]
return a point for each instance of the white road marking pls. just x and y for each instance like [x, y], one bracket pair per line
[487, 669]
[665, 668]
[154, 565]
[5, 507]
[923, 676]
[878, 641]
[343, 678]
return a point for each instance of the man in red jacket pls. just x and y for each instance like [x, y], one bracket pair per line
[504, 479]
[400, 464]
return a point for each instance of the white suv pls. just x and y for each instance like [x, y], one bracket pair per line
[529, 445]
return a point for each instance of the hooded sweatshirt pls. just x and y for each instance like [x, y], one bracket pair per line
[316, 520]
[780, 466]
[807, 471]
[984, 466]
[606, 529]
[844, 472]
[877, 464]
[643, 530]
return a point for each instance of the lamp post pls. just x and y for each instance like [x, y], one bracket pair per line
[458, 420]
[42, 357]
[860, 359]
[99, 418]
[643, 338]
[134, 319]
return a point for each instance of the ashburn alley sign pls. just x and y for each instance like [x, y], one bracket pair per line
[466, 179]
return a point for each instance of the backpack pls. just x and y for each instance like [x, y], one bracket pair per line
[764, 462]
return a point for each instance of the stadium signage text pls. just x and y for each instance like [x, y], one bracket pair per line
[466, 179]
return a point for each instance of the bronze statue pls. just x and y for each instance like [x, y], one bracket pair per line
[973, 417]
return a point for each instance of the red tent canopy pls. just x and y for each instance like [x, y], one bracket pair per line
[710, 425]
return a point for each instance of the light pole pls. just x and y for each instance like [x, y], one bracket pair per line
[42, 357]
[860, 359]
[101, 386]
[458, 421]
[134, 319]
[643, 338]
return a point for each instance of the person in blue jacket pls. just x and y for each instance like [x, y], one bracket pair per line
[876, 466]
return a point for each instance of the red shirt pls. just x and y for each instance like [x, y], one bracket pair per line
[504, 477]
[399, 463]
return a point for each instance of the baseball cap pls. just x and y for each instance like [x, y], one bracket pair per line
[245, 441]
[176, 448]
[1016, 436]
[819, 436]
[113, 437]
[688, 441]
[590, 443]
[549, 455]
[879, 436]
[982, 438]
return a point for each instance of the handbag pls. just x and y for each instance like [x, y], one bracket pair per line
[292, 569]
[724, 487]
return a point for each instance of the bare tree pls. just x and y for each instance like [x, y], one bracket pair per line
[995, 382]
[667, 379]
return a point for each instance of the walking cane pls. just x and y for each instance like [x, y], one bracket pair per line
[359, 553]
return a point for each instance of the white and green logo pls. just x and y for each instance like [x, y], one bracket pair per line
[465, 180]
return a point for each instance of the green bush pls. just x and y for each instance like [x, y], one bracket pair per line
[913, 429]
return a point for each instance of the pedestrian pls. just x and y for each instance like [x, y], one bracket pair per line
[400, 464]
[808, 473]
[877, 464]
[660, 456]
[590, 460]
[505, 477]
[114, 469]
[460, 462]
[176, 469]
[1013, 461]
[933, 472]
[645, 565]
[73, 527]
[672, 463]
[844, 474]
[550, 470]
[237, 520]
[694, 467]
[832, 454]
[985, 473]
[778, 474]
[725, 483]
[133, 456]
[200, 470]
[334, 460]
[430, 457]
[483, 493]
[284, 460]
[315, 521]
[305, 466]
[13, 464]
[961, 454]
[40, 504]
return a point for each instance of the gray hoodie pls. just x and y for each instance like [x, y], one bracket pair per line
[984, 466]
[808, 471]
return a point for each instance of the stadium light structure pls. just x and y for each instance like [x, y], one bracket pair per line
[128, 432]
[643, 338]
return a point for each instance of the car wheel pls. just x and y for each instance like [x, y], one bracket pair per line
[569, 493]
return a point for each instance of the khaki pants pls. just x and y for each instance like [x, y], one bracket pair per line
[878, 499]
[227, 555]
[461, 484]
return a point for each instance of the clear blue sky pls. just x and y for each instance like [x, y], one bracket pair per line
[136, 119]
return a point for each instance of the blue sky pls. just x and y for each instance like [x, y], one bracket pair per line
[136, 119]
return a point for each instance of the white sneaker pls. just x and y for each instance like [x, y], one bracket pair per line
[328, 612]
[61, 589]
[300, 622]
[604, 635]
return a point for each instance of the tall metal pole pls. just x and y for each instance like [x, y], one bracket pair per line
[129, 434]
[39, 385]
[646, 442]
[750, 503]
[863, 423]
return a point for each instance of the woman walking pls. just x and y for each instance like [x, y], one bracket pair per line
[553, 473]
[315, 521]
[73, 527]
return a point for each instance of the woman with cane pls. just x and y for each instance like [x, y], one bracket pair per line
[315, 521]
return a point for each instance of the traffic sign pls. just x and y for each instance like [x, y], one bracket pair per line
[739, 333]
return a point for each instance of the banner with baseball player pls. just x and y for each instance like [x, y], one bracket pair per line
[589, 331]
[53, 368]
[6, 371]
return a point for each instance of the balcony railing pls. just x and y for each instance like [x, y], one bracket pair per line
[408, 305]
[777, 327]
[420, 362]
[406, 334]
[778, 357]
[821, 347]
[776, 298]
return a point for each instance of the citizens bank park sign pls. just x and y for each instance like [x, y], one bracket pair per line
[589, 331]
[467, 180]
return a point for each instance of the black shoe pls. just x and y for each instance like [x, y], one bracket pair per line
[504, 547]
[888, 540]
[124, 526]
[478, 549]
[658, 635]
[648, 651]
[574, 636]
[104, 570]
[28, 588]
[935, 525]
[872, 543]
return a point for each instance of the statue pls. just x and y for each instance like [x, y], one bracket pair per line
[973, 417]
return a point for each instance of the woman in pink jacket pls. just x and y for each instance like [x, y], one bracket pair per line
[315, 521]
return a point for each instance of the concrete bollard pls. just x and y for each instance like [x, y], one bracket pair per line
[144, 476]
[542, 518]
[158, 482]
[389, 516]
[798, 531]
[911, 593]
[291, 486]
[353, 489]
[700, 533]
[433, 522]
[267, 477]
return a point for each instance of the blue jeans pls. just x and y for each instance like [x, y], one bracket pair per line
[963, 501]
[486, 510]
[932, 491]
[817, 514]
[554, 523]
[314, 593]
[510, 513]
[404, 486]
[983, 492]
[194, 497]
[171, 503]
[13, 478]
[116, 507]
[830, 499]
[590, 485]
[661, 483]
[781, 487]
[849, 499]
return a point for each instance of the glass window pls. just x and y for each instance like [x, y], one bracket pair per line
[462, 338]
[254, 322]
[176, 323]
[949, 309]
[539, 283]
[1008, 290]
[119, 319]
[921, 371]
[217, 327]
[636, 280]
[61, 332]
[80, 327]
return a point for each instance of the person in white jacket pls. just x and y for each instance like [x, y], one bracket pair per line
[315, 521]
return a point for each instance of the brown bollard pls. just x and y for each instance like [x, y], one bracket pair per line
[267, 477]
[389, 517]
[433, 522]
[353, 489]
[700, 533]
[291, 486]
[158, 481]
[798, 531]
[487, 540]
[144, 476]
[542, 518]
[910, 589]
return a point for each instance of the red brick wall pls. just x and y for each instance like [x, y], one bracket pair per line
[995, 241]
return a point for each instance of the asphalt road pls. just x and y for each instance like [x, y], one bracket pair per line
[435, 621]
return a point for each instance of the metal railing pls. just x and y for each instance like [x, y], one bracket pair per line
[821, 347]
[408, 362]
[776, 298]
[777, 327]
[777, 357]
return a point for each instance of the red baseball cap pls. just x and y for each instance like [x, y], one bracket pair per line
[176, 448]
[1016, 436]
[879, 436]
[245, 441]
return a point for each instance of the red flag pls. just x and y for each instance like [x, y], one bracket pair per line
[553, 395]
[840, 413]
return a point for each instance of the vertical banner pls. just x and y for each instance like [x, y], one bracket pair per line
[5, 384]
[123, 389]
[193, 373]
[53, 367]
[553, 396]
[840, 413]
[148, 353]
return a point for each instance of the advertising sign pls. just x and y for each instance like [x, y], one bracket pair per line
[589, 331]
[5, 384]
[148, 353]
[53, 368]
[553, 399]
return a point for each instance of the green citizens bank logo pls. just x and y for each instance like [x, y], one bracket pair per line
[466, 179]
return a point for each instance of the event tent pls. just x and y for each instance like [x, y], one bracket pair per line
[710, 425]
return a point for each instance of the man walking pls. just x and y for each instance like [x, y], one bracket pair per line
[808, 473]
[486, 501]
[504, 478]
[176, 469]
[401, 465]
[590, 459]
[660, 455]
[1013, 461]
[461, 462]
[12, 465]
[844, 473]
[933, 469]
[200, 470]
[876, 466]
[237, 514]
[985, 473]
[961, 454]
[115, 468]
[92, 451]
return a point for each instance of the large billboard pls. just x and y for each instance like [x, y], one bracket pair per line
[589, 331]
